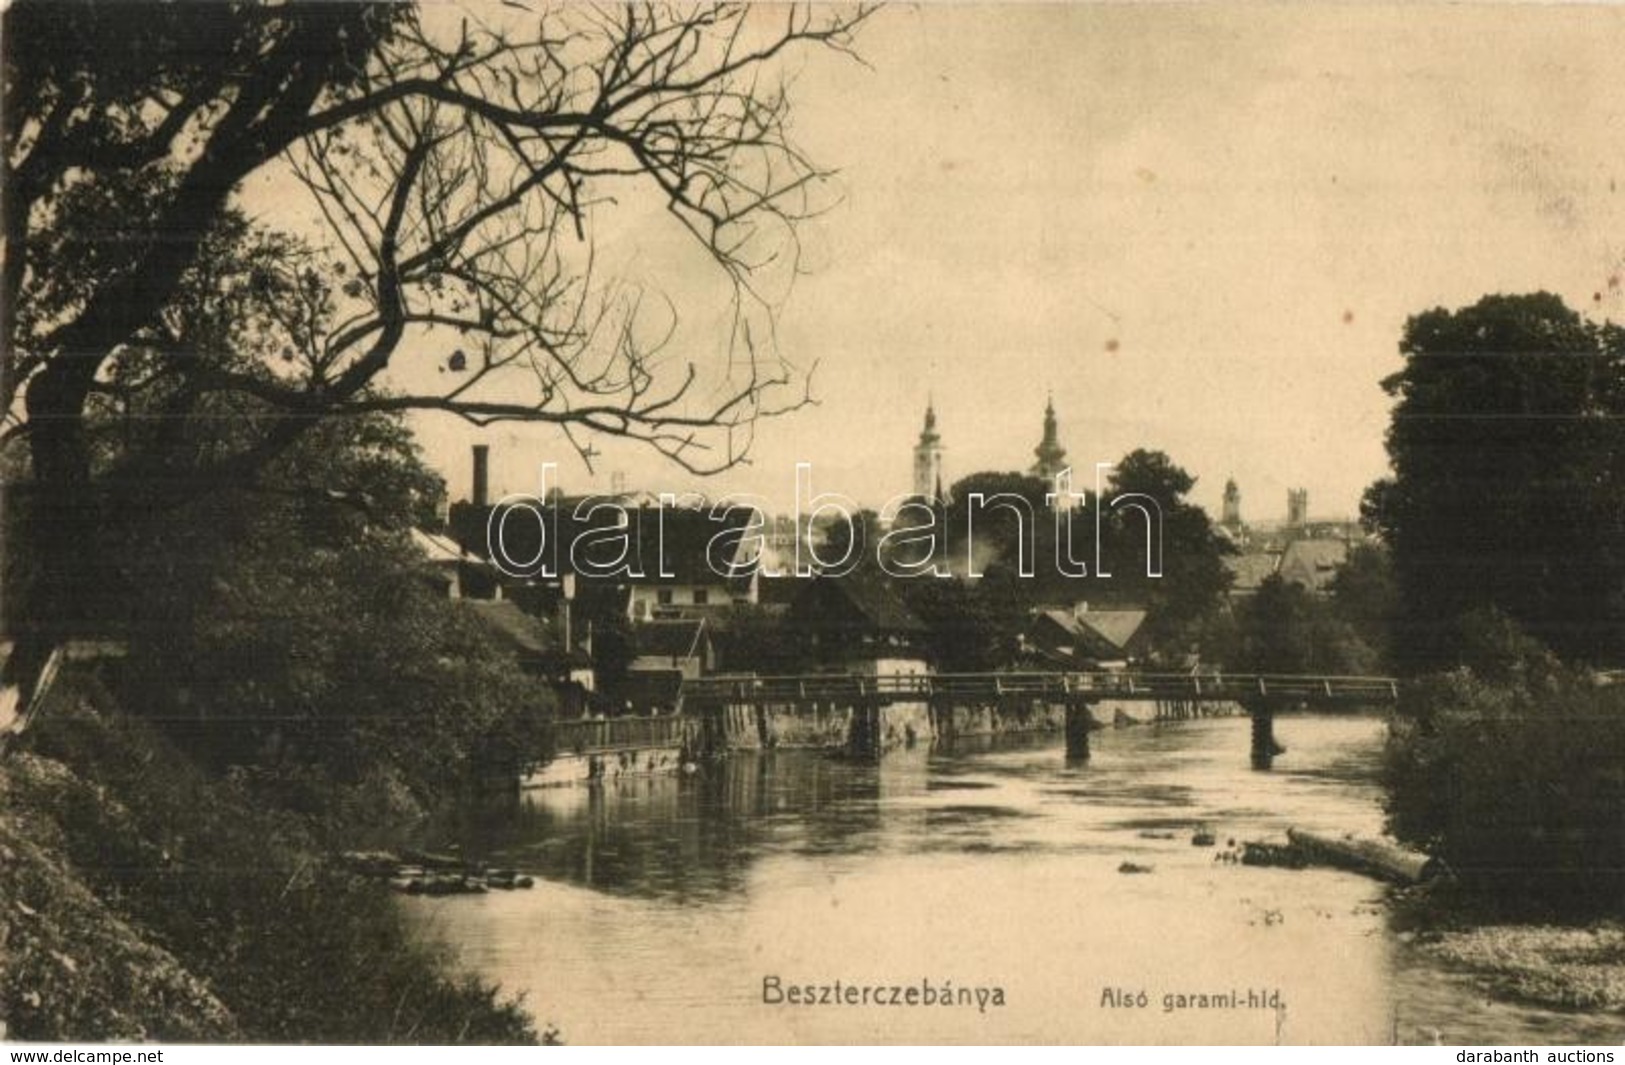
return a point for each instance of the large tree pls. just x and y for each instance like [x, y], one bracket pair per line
[460, 163]
[1190, 588]
[1508, 487]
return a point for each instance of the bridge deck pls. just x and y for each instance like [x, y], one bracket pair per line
[608, 736]
[1150, 687]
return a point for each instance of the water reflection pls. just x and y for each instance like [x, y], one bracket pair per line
[667, 901]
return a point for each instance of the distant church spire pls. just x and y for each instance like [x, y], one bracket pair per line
[1232, 504]
[928, 457]
[1051, 455]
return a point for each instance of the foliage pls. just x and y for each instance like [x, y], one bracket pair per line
[338, 658]
[991, 530]
[853, 546]
[1184, 603]
[1508, 450]
[1364, 595]
[1515, 782]
[972, 625]
[1194, 580]
[1284, 628]
[295, 623]
[752, 639]
[239, 892]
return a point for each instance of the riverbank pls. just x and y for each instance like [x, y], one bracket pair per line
[1565, 968]
[143, 899]
[1578, 965]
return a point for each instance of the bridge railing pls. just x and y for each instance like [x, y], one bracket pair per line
[617, 733]
[1098, 684]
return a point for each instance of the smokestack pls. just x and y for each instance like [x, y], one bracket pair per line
[482, 475]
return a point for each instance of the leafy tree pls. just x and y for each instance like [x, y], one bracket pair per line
[1183, 602]
[752, 639]
[296, 626]
[1364, 595]
[994, 527]
[1194, 580]
[1513, 779]
[460, 166]
[1014, 518]
[1284, 628]
[972, 625]
[1508, 451]
[857, 542]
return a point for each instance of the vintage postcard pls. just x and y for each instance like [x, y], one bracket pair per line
[1066, 523]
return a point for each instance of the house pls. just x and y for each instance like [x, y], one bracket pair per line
[445, 562]
[1312, 564]
[529, 638]
[1248, 571]
[693, 564]
[683, 645]
[1085, 639]
[659, 563]
[539, 650]
[776, 595]
[860, 624]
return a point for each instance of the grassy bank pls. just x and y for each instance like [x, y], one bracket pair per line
[141, 898]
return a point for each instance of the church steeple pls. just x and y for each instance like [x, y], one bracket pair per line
[1232, 504]
[928, 435]
[928, 457]
[1051, 455]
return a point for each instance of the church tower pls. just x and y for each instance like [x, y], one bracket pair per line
[1297, 508]
[928, 458]
[1051, 455]
[1232, 505]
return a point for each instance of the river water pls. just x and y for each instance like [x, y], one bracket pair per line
[682, 909]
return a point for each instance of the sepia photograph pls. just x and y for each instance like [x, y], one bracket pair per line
[565, 523]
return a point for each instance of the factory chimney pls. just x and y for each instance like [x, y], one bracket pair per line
[480, 492]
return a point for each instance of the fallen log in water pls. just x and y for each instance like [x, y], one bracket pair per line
[1278, 855]
[1381, 858]
[423, 873]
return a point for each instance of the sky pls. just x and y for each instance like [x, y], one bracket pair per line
[1200, 229]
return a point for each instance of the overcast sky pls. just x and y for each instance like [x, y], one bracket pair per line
[1202, 229]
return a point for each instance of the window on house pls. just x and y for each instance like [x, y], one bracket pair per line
[700, 596]
[663, 596]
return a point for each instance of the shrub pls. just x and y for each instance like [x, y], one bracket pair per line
[242, 894]
[1517, 782]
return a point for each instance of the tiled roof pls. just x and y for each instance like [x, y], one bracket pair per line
[1313, 563]
[1098, 632]
[679, 545]
[870, 599]
[670, 639]
[1116, 627]
[1249, 570]
[438, 548]
[518, 630]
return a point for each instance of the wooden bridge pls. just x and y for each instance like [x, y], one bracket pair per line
[1247, 688]
[1261, 695]
[713, 709]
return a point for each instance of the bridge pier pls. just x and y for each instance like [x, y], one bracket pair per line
[879, 725]
[863, 741]
[1079, 723]
[1265, 747]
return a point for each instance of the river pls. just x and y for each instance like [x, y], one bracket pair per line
[677, 909]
